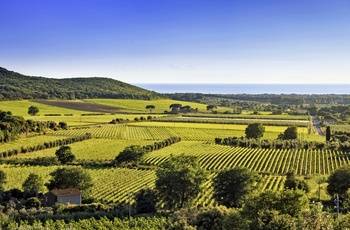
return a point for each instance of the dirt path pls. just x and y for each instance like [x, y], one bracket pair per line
[317, 126]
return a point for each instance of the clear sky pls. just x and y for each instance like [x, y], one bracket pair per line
[179, 41]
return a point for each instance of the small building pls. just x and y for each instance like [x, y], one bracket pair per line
[329, 121]
[63, 196]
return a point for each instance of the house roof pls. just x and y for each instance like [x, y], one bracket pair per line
[65, 192]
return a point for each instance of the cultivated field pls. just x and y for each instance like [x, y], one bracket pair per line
[113, 184]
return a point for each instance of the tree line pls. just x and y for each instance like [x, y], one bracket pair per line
[15, 86]
[12, 126]
[276, 99]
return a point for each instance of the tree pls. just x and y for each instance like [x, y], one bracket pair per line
[63, 125]
[70, 178]
[271, 219]
[255, 130]
[64, 154]
[231, 187]
[33, 110]
[211, 107]
[2, 180]
[290, 202]
[339, 181]
[234, 221]
[150, 107]
[328, 133]
[211, 218]
[33, 184]
[131, 154]
[175, 107]
[290, 133]
[32, 202]
[294, 183]
[179, 181]
[146, 201]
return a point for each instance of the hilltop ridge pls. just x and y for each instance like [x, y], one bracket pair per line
[16, 86]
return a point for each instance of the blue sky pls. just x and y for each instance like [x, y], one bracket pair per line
[179, 41]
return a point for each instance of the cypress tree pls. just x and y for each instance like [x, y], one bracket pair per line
[328, 133]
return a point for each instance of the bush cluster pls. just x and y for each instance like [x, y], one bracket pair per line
[136, 119]
[162, 144]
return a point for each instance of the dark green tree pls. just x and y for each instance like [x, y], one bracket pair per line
[234, 221]
[293, 183]
[2, 180]
[211, 107]
[175, 107]
[76, 177]
[339, 181]
[232, 187]
[179, 181]
[145, 201]
[290, 133]
[131, 154]
[290, 202]
[255, 130]
[63, 125]
[328, 133]
[33, 110]
[272, 219]
[150, 107]
[211, 218]
[32, 202]
[64, 154]
[33, 184]
[313, 109]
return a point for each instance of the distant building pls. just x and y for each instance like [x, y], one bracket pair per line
[63, 196]
[329, 121]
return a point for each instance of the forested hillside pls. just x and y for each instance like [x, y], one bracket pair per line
[14, 86]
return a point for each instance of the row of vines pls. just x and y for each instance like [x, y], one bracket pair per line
[273, 161]
[128, 132]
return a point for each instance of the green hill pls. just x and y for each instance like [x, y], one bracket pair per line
[16, 86]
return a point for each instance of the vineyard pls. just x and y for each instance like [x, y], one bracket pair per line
[113, 185]
[162, 130]
[87, 150]
[272, 161]
[119, 185]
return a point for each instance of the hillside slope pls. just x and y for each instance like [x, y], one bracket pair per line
[15, 86]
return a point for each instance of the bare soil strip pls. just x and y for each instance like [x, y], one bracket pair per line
[82, 106]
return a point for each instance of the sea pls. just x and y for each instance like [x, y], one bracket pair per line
[248, 88]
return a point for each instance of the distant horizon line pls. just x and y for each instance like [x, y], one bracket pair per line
[208, 83]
